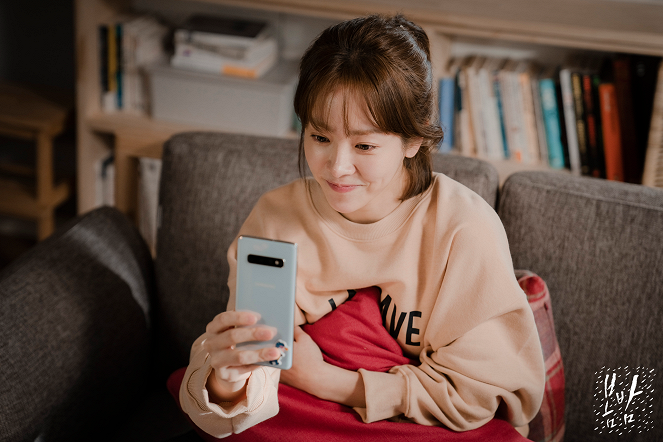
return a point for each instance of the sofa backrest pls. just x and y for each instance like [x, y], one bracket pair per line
[209, 184]
[599, 247]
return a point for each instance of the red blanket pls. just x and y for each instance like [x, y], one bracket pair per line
[351, 337]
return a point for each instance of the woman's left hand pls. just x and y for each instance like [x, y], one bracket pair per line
[307, 364]
[310, 373]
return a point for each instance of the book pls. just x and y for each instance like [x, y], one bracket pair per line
[103, 59]
[447, 105]
[581, 129]
[126, 47]
[540, 124]
[471, 68]
[112, 60]
[570, 120]
[233, 37]
[497, 90]
[257, 52]
[490, 114]
[653, 167]
[612, 141]
[551, 118]
[254, 65]
[119, 68]
[237, 68]
[644, 75]
[464, 126]
[513, 120]
[623, 90]
[108, 63]
[148, 200]
[590, 82]
[525, 71]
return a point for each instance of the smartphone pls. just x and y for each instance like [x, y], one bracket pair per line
[266, 282]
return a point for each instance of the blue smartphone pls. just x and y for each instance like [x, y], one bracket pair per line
[266, 283]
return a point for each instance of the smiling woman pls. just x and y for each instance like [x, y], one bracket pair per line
[382, 70]
[358, 166]
[374, 215]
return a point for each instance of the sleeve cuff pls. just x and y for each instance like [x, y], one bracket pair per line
[223, 419]
[386, 396]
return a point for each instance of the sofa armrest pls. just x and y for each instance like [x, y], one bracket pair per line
[75, 331]
[598, 246]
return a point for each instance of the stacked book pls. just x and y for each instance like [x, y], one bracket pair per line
[126, 48]
[592, 116]
[225, 46]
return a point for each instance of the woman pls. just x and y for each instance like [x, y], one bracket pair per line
[375, 215]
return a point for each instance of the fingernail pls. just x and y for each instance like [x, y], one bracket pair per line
[274, 354]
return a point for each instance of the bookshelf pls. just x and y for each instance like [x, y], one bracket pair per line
[634, 26]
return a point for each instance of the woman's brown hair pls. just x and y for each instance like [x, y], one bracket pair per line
[386, 62]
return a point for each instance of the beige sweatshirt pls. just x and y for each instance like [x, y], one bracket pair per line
[449, 297]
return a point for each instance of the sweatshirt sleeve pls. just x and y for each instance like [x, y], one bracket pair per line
[261, 402]
[481, 353]
[221, 420]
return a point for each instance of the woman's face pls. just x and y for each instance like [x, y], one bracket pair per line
[360, 170]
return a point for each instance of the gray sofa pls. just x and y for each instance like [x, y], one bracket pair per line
[91, 325]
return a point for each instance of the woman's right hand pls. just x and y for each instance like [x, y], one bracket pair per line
[232, 367]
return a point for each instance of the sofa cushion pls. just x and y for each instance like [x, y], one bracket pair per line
[478, 175]
[209, 184]
[548, 424]
[597, 244]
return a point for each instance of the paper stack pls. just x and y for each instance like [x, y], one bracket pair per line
[225, 46]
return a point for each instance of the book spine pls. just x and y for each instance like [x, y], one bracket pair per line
[240, 44]
[264, 50]
[596, 104]
[591, 118]
[570, 120]
[510, 123]
[644, 75]
[521, 150]
[119, 60]
[458, 107]
[581, 129]
[612, 145]
[476, 113]
[552, 123]
[112, 59]
[225, 68]
[466, 138]
[446, 102]
[653, 168]
[103, 59]
[540, 125]
[494, 147]
[632, 170]
[499, 100]
[529, 117]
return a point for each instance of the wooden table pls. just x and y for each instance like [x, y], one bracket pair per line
[26, 115]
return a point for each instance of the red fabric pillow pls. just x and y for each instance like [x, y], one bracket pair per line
[352, 337]
[548, 424]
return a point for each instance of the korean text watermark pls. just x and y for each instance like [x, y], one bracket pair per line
[623, 400]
